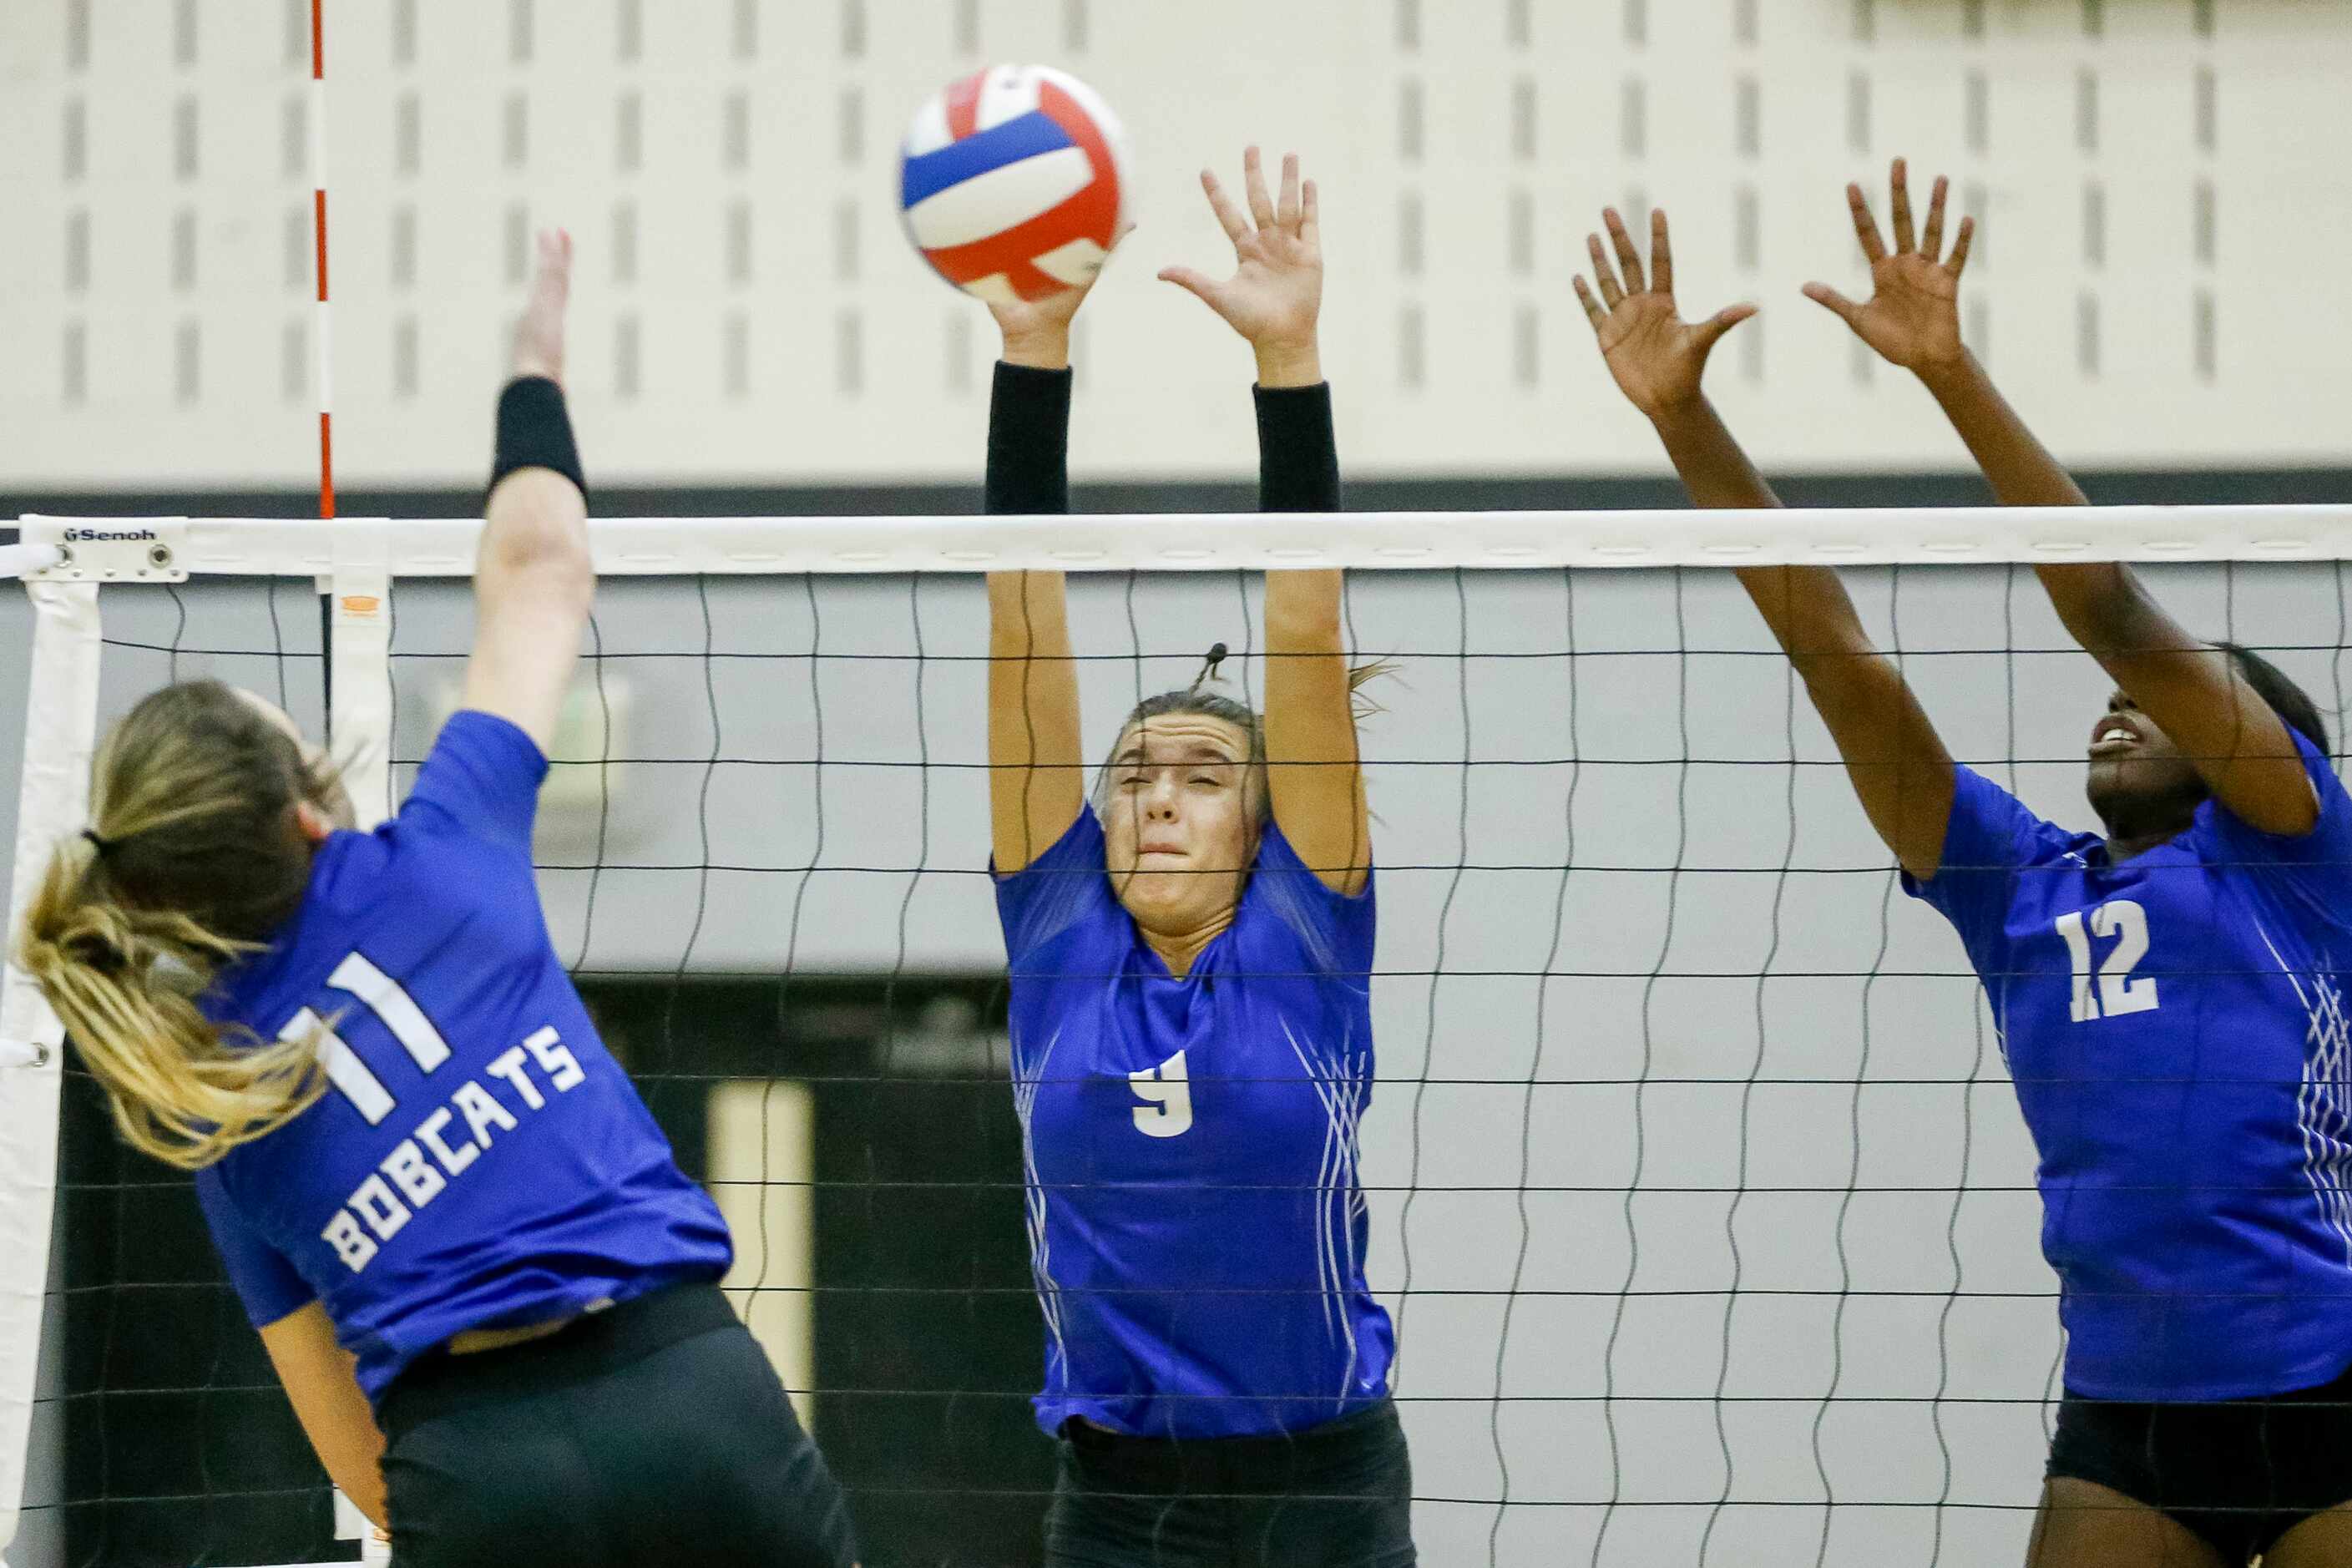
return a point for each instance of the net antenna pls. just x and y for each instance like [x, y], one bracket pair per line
[355, 616]
[325, 355]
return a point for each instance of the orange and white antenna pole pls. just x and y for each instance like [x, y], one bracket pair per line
[326, 357]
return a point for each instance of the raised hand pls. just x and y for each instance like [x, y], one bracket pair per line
[539, 331]
[1275, 294]
[1038, 331]
[1656, 357]
[1913, 316]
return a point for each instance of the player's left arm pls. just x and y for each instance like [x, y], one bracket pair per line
[1274, 301]
[2225, 728]
[1912, 320]
[321, 1380]
[533, 579]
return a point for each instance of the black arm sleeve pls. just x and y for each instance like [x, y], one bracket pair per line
[1028, 442]
[1297, 455]
[535, 431]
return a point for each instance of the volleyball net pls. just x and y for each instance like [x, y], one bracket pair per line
[1697, 1190]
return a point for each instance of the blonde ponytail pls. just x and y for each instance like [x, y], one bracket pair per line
[195, 858]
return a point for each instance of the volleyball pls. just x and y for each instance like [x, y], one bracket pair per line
[1013, 182]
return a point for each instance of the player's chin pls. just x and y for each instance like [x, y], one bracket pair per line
[1147, 892]
[1173, 901]
[2131, 784]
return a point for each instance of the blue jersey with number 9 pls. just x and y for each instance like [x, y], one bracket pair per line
[2176, 1029]
[1195, 1224]
[480, 1160]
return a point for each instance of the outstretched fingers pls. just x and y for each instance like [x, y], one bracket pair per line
[1931, 241]
[539, 329]
[1310, 216]
[1900, 180]
[1200, 285]
[1629, 259]
[1661, 254]
[1261, 205]
[1865, 227]
[1287, 210]
[554, 269]
[1961, 243]
[1829, 298]
[1611, 295]
[1229, 213]
[1709, 332]
[1593, 311]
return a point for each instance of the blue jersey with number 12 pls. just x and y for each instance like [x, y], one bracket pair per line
[2176, 1027]
[481, 1160]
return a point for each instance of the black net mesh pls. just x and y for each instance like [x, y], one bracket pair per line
[1697, 1187]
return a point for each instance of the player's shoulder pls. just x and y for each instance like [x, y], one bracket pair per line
[1291, 925]
[1997, 819]
[1077, 937]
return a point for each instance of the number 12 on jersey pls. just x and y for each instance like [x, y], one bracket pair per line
[2117, 991]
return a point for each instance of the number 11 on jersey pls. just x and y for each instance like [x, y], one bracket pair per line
[2117, 991]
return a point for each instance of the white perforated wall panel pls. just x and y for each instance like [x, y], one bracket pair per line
[2154, 176]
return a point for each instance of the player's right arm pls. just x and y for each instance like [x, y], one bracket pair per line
[1896, 759]
[1036, 769]
[533, 579]
[322, 1382]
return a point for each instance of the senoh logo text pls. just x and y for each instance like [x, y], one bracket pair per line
[109, 536]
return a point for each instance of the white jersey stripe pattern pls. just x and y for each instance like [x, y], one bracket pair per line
[2323, 1114]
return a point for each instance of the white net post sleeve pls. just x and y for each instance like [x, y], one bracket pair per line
[361, 702]
[360, 711]
[60, 730]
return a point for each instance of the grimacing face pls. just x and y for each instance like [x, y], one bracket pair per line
[2139, 783]
[337, 808]
[1180, 818]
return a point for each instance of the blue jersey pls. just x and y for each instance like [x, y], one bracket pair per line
[480, 1160]
[2175, 1025]
[1196, 1224]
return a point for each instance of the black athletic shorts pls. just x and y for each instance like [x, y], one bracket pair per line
[2241, 1473]
[1336, 1495]
[654, 1433]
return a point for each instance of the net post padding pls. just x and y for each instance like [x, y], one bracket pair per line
[61, 727]
[1819, 536]
[361, 703]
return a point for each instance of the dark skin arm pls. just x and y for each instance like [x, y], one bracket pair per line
[1896, 759]
[2237, 743]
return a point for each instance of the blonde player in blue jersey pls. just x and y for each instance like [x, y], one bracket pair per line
[486, 1287]
[1192, 1033]
[2169, 993]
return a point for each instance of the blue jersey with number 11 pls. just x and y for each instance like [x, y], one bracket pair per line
[480, 1160]
[2176, 1027]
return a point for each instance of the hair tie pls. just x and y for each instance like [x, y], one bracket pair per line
[96, 842]
[1209, 669]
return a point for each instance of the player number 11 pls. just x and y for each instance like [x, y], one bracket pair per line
[2117, 991]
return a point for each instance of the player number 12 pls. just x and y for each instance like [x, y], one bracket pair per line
[2117, 991]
